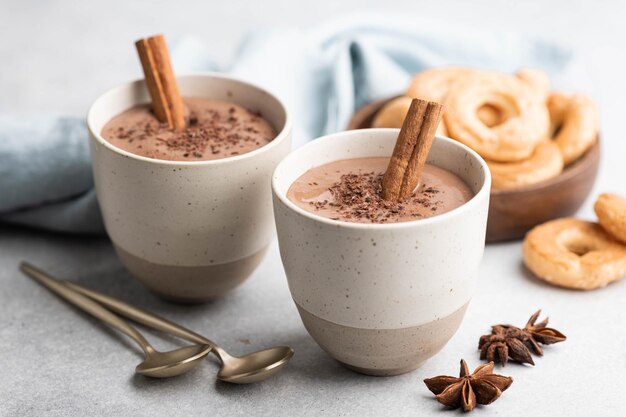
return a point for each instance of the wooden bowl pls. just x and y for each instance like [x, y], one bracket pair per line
[514, 212]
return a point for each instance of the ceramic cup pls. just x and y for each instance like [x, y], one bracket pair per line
[189, 231]
[381, 298]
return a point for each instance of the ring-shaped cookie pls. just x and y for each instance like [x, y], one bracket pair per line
[434, 84]
[611, 212]
[545, 162]
[575, 123]
[537, 79]
[574, 253]
[512, 140]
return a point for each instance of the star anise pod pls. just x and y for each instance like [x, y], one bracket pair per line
[481, 387]
[507, 341]
[540, 333]
[504, 343]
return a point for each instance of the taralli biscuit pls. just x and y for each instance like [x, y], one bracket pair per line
[611, 212]
[514, 139]
[537, 79]
[393, 113]
[557, 106]
[434, 84]
[575, 123]
[574, 253]
[545, 162]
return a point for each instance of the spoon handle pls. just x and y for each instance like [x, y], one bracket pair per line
[84, 303]
[141, 316]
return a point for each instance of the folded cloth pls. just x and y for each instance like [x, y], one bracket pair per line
[322, 74]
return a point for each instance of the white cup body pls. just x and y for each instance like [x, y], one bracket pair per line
[188, 230]
[385, 285]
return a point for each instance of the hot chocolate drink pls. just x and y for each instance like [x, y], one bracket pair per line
[379, 293]
[350, 190]
[215, 129]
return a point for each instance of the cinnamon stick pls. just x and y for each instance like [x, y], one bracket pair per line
[167, 103]
[411, 150]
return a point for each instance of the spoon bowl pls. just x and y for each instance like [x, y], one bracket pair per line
[172, 363]
[254, 367]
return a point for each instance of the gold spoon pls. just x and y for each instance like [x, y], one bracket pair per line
[253, 367]
[156, 364]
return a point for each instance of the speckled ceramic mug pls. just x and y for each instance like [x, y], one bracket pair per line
[189, 231]
[381, 298]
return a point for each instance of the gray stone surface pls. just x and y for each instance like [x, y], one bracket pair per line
[57, 56]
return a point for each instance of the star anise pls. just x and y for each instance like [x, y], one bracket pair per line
[541, 333]
[507, 341]
[502, 343]
[481, 387]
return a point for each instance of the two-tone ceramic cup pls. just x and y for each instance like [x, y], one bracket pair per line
[381, 298]
[189, 231]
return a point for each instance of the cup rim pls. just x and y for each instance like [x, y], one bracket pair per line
[280, 136]
[482, 193]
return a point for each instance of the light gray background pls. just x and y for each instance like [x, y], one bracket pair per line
[57, 56]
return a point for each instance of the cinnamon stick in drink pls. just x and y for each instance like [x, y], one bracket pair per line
[167, 102]
[411, 150]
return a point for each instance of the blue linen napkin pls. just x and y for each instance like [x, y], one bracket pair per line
[322, 74]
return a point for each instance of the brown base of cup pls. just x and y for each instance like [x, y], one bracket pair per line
[382, 372]
[190, 284]
[382, 352]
